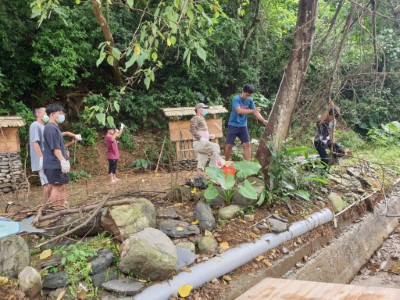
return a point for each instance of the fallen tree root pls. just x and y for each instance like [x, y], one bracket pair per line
[94, 213]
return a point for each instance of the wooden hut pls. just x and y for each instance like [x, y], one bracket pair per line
[180, 134]
[12, 176]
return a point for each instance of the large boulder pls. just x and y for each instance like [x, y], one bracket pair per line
[204, 214]
[14, 255]
[148, 254]
[30, 282]
[124, 220]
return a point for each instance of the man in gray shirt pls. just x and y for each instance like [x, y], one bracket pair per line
[36, 148]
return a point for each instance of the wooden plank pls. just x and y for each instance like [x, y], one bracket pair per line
[179, 130]
[277, 288]
[9, 140]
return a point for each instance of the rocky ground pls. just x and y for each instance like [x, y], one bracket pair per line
[227, 234]
[383, 269]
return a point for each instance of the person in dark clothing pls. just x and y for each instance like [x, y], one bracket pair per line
[324, 139]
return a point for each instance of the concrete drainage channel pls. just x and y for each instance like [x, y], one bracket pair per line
[337, 254]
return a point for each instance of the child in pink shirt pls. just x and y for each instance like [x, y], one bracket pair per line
[112, 150]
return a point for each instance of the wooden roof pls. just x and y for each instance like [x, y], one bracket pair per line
[11, 121]
[189, 111]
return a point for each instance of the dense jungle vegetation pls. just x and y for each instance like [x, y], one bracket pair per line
[154, 54]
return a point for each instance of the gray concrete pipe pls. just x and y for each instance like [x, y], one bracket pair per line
[230, 260]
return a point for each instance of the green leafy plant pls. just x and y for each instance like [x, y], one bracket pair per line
[387, 135]
[74, 259]
[228, 182]
[140, 164]
[82, 174]
[289, 179]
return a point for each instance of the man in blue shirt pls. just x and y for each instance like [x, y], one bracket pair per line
[242, 105]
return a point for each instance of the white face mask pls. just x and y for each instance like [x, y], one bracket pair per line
[45, 118]
[60, 119]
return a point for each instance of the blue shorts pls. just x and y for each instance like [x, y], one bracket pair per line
[55, 176]
[241, 132]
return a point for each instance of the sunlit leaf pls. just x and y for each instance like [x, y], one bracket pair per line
[201, 53]
[247, 190]
[110, 60]
[136, 49]
[211, 193]
[100, 59]
[131, 61]
[302, 194]
[116, 53]
[110, 120]
[116, 106]
[168, 42]
[101, 118]
[130, 3]
[147, 82]
[246, 168]
[45, 254]
[185, 290]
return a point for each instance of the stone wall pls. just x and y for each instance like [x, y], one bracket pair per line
[12, 176]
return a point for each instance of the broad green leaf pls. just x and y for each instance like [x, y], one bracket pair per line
[130, 3]
[116, 106]
[110, 60]
[151, 75]
[247, 190]
[101, 118]
[131, 61]
[147, 82]
[215, 174]
[154, 56]
[201, 53]
[317, 179]
[173, 39]
[173, 26]
[188, 60]
[261, 199]
[228, 183]
[211, 193]
[296, 150]
[185, 54]
[110, 120]
[246, 168]
[302, 194]
[116, 53]
[100, 59]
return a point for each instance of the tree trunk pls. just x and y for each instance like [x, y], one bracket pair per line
[109, 38]
[280, 117]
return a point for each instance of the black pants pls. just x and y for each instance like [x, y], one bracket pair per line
[337, 151]
[112, 166]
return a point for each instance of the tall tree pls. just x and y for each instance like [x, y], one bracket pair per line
[292, 82]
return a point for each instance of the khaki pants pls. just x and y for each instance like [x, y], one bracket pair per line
[204, 149]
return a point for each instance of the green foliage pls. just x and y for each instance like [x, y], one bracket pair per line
[287, 179]
[350, 139]
[227, 183]
[140, 164]
[387, 135]
[74, 259]
[65, 53]
[75, 175]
